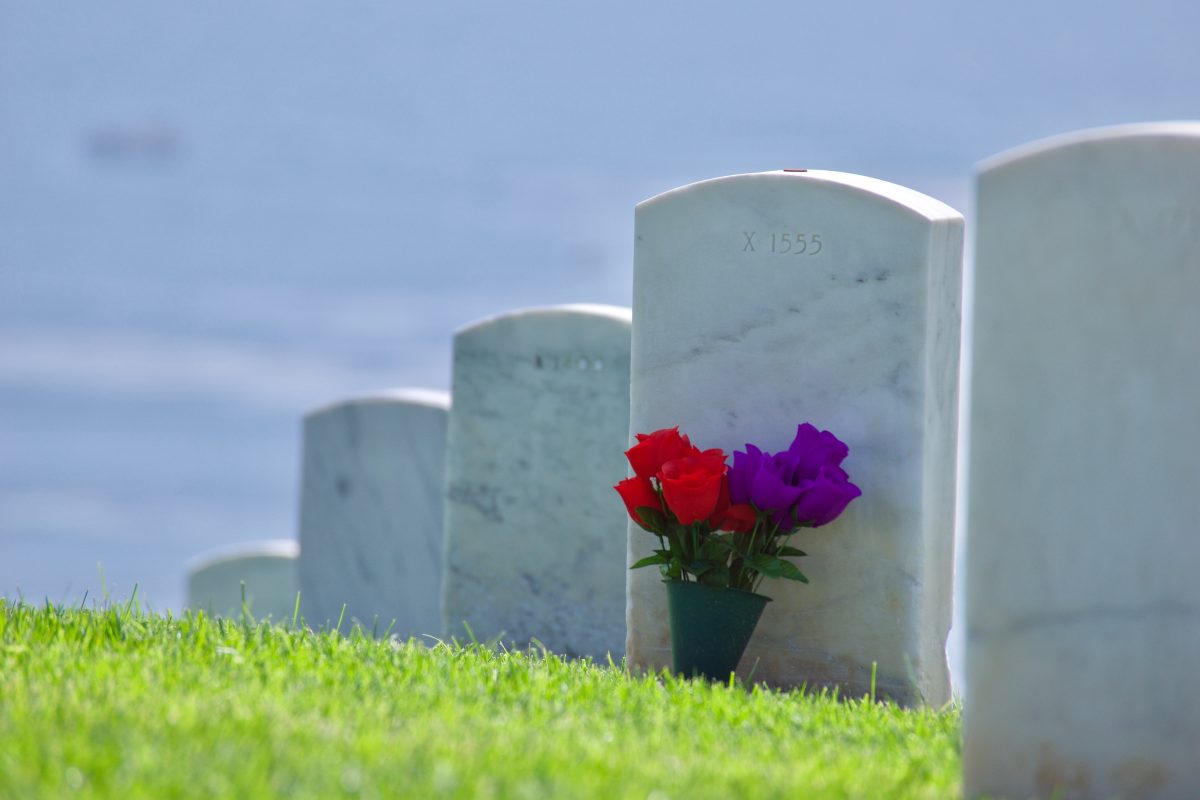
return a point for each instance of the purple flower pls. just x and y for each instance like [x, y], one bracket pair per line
[813, 449]
[801, 486]
[826, 497]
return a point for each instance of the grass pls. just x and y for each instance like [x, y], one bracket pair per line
[115, 702]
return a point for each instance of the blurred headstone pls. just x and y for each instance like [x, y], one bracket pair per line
[534, 533]
[371, 513]
[262, 573]
[1083, 605]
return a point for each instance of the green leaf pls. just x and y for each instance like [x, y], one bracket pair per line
[788, 550]
[699, 567]
[770, 566]
[657, 558]
[774, 567]
[715, 550]
[655, 520]
[717, 576]
[792, 572]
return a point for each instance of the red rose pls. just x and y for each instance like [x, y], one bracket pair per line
[692, 485]
[726, 517]
[718, 512]
[638, 493]
[739, 519]
[655, 449]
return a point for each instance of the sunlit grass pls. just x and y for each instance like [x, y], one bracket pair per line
[115, 702]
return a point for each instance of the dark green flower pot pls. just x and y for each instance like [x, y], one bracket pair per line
[710, 627]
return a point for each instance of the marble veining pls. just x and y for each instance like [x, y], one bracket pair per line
[1090, 615]
[1082, 625]
[371, 512]
[534, 532]
[766, 300]
[267, 568]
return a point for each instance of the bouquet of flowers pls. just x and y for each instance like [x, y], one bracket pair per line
[730, 526]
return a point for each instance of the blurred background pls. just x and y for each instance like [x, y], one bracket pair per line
[215, 217]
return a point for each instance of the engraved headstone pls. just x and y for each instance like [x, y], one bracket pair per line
[266, 569]
[534, 533]
[1083, 605]
[371, 513]
[762, 301]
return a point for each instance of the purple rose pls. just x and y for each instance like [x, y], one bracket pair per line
[813, 449]
[801, 486]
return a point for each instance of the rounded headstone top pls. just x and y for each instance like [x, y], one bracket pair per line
[433, 398]
[262, 548]
[908, 199]
[615, 313]
[1183, 129]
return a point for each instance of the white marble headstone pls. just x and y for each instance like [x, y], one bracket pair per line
[371, 513]
[763, 301]
[1083, 535]
[534, 534]
[266, 568]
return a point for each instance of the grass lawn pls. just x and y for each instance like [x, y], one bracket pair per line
[119, 703]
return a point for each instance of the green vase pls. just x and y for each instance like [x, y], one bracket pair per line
[710, 627]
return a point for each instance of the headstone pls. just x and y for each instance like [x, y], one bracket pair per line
[266, 569]
[1083, 604]
[766, 300]
[534, 537]
[371, 513]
